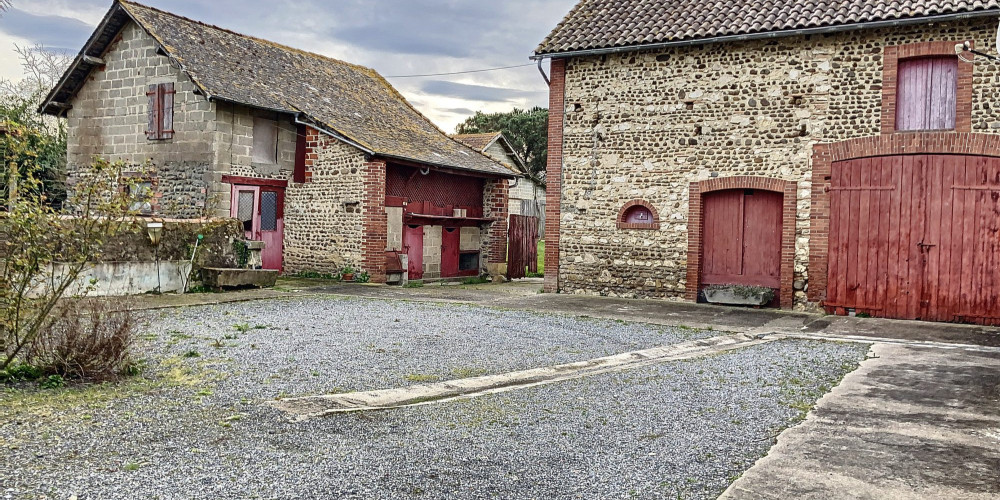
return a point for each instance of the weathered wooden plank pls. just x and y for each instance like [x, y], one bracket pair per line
[863, 297]
[894, 261]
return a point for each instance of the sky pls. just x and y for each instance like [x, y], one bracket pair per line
[395, 37]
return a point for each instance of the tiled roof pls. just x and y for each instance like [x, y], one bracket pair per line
[598, 24]
[479, 142]
[352, 101]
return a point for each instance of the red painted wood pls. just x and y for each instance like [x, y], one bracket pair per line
[299, 171]
[450, 237]
[921, 238]
[413, 244]
[742, 238]
[722, 240]
[254, 181]
[522, 250]
[926, 93]
[762, 237]
[274, 239]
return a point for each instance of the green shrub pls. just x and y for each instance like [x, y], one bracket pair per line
[52, 382]
[362, 277]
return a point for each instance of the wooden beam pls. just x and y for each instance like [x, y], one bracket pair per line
[60, 105]
[94, 61]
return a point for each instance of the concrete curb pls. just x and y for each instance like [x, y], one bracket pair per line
[305, 408]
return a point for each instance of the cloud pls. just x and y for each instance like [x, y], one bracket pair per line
[395, 37]
[474, 92]
[53, 31]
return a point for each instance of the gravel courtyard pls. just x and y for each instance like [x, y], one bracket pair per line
[194, 426]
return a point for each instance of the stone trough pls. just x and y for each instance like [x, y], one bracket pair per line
[218, 278]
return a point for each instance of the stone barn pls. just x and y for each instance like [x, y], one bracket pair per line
[320, 159]
[841, 154]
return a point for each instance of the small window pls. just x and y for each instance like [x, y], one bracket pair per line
[638, 215]
[245, 209]
[160, 111]
[268, 211]
[926, 93]
[141, 194]
[265, 140]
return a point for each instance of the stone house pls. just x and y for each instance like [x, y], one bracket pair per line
[843, 154]
[527, 192]
[321, 159]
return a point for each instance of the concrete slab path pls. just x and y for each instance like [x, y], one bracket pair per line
[910, 423]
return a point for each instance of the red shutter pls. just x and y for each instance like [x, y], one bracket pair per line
[167, 111]
[299, 174]
[926, 93]
[152, 113]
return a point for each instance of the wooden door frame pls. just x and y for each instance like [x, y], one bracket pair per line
[696, 219]
[895, 144]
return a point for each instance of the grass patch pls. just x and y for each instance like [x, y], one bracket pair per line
[467, 372]
[420, 377]
[414, 284]
[476, 280]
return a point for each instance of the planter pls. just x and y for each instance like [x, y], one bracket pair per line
[739, 295]
[347, 277]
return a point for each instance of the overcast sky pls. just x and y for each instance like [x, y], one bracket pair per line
[395, 37]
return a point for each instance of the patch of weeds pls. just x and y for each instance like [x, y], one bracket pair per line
[218, 343]
[132, 466]
[20, 373]
[414, 284]
[192, 354]
[467, 372]
[242, 327]
[52, 382]
[261, 327]
[475, 280]
[314, 275]
[862, 315]
[419, 377]
[203, 289]
[530, 274]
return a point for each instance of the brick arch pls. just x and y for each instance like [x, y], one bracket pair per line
[900, 143]
[638, 203]
[789, 192]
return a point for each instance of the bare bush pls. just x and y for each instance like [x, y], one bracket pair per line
[88, 339]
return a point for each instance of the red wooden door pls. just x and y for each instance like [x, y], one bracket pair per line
[916, 237]
[261, 211]
[271, 226]
[741, 239]
[449, 251]
[413, 243]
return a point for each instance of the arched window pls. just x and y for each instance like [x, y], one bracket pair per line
[638, 214]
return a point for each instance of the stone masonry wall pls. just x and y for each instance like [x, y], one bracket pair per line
[109, 119]
[644, 125]
[323, 217]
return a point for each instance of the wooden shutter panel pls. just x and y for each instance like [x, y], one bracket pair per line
[167, 111]
[926, 93]
[299, 174]
[152, 116]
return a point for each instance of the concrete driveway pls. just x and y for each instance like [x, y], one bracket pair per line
[909, 423]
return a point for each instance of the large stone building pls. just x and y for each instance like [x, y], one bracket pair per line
[840, 153]
[322, 160]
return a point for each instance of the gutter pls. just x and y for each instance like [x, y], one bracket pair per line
[332, 134]
[769, 35]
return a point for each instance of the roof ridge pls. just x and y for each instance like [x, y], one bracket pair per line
[130, 3]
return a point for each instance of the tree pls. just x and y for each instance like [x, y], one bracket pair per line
[43, 252]
[527, 131]
[43, 137]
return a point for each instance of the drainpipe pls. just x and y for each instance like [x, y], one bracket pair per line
[542, 71]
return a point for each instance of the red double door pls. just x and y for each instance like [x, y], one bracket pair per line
[741, 238]
[916, 237]
[261, 211]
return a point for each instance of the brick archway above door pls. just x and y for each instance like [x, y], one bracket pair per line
[696, 221]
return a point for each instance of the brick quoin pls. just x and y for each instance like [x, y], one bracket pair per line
[495, 192]
[899, 143]
[553, 173]
[376, 224]
[789, 192]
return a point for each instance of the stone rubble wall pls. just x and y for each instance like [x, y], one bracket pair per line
[323, 217]
[109, 120]
[644, 125]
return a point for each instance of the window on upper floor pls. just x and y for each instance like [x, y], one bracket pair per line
[160, 111]
[926, 89]
[265, 140]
